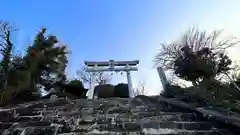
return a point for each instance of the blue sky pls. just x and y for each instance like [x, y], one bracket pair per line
[118, 29]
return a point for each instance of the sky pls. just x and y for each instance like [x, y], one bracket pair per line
[119, 29]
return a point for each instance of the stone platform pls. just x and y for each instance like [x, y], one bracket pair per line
[117, 116]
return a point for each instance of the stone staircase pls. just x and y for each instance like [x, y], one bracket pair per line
[139, 116]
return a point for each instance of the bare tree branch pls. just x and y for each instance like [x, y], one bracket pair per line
[6, 48]
[195, 40]
[85, 77]
[141, 88]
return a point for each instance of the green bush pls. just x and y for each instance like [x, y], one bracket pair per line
[172, 91]
[121, 90]
[108, 90]
[104, 91]
[76, 88]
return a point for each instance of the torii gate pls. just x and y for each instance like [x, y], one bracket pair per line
[101, 66]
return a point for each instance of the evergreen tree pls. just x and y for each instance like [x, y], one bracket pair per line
[47, 61]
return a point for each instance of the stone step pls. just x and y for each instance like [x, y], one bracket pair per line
[154, 108]
[179, 125]
[121, 118]
[153, 132]
[27, 118]
[104, 116]
[162, 116]
[136, 126]
[43, 130]
[5, 125]
[29, 124]
[52, 130]
[121, 112]
[171, 116]
[166, 116]
[58, 102]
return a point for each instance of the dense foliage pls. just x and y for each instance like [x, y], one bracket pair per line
[43, 65]
[199, 65]
[196, 56]
[76, 88]
[201, 59]
[52, 62]
[121, 90]
[107, 91]
[104, 91]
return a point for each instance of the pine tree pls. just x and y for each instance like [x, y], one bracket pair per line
[46, 60]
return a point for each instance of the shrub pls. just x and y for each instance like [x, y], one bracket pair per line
[172, 91]
[104, 91]
[76, 88]
[121, 90]
[26, 96]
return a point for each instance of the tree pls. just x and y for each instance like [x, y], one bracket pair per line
[50, 60]
[6, 45]
[200, 58]
[85, 77]
[44, 64]
[140, 90]
[197, 56]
